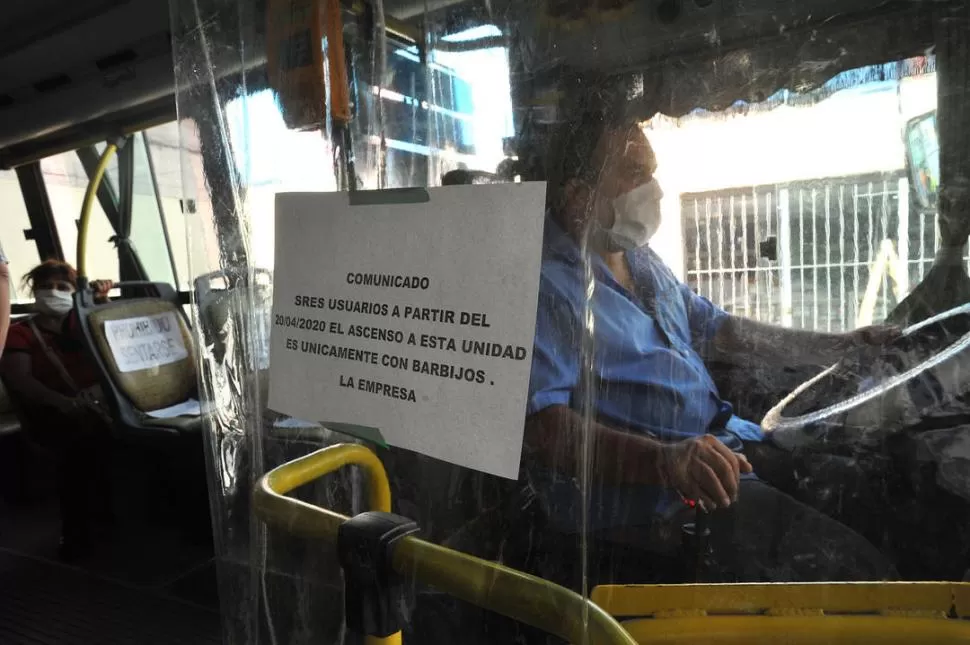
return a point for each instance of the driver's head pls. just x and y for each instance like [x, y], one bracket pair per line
[601, 182]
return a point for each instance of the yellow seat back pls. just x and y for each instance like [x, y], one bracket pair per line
[851, 613]
[157, 387]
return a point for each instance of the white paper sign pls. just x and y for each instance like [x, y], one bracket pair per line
[145, 342]
[416, 319]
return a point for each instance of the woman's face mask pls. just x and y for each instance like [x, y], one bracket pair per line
[636, 216]
[53, 302]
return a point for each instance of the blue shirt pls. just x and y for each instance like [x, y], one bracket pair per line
[648, 372]
[647, 346]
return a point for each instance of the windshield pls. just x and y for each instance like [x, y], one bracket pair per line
[800, 206]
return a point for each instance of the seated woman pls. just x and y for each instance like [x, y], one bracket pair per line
[51, 378]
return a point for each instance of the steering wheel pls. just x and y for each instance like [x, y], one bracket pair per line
[798, 422]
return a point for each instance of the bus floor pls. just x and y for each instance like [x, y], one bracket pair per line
[142, 582]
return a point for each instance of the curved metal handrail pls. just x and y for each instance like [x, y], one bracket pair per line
[514, 594]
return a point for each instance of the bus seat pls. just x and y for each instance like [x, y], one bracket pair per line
[214, 294]
[171, 449]
[132, 395]
[13, 450]
[9, 423]
[831, 613]
[213, 306]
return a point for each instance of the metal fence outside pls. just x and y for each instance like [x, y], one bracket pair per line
[825, 254]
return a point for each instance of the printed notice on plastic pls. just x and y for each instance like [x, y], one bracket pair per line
[145, 342]
[413, 321]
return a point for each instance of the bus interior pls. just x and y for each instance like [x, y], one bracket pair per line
[815, 173]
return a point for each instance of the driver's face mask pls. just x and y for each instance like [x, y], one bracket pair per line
[53, 302]
[636, 217]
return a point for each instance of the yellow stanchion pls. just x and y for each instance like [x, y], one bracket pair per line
[87, 206]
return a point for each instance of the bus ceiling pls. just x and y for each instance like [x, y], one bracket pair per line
[108, 70]
[77, 70]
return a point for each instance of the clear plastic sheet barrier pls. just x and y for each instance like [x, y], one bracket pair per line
[746, 205]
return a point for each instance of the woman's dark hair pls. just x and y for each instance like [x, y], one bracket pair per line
[50, 270]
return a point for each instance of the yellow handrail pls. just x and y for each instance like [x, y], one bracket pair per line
[519, 596]
[86, 207]
[315, 465]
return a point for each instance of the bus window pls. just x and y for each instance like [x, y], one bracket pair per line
[163, 147]
[21, 252]
[149, 233]
[66, 183]
[300, 161]
[482, 96]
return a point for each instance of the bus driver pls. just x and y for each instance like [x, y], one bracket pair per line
[661, 431]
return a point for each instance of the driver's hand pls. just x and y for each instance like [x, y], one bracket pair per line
[703, 469]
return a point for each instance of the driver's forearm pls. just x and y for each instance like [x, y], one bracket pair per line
[554, 436]
[740, 339]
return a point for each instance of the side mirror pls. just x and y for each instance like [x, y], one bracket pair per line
[923, 159]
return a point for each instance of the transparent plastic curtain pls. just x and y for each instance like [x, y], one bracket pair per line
[272, 589]
[488, 89]
[414, 119]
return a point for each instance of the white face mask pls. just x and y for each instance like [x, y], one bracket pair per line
[53, 302]
[636, 216]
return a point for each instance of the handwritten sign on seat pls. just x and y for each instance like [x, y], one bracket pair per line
[145, 342]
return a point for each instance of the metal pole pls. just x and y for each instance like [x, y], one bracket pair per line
[43, 230]
[801, 258]
[769, 216]
[720, 253]
[842, 259]
[161, 209]
[828, 259]
[745, 294]
[757, 261]
[814, 264]
[784, 256]
[734, 267]
[902, 244]
[697, 250]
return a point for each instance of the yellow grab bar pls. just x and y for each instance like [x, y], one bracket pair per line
[519, 596]
[323, 462]
[86, 207]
